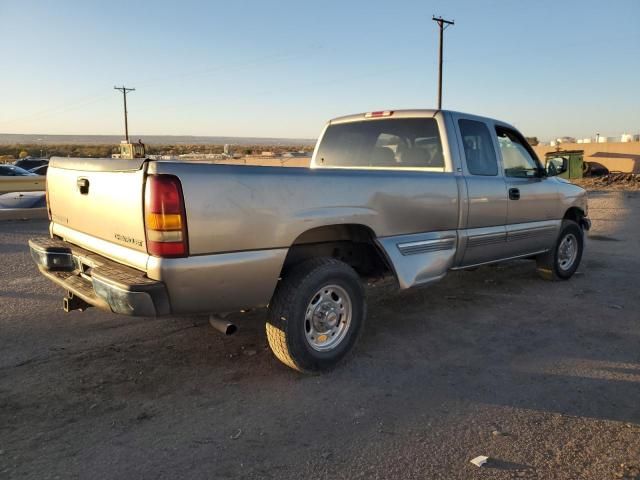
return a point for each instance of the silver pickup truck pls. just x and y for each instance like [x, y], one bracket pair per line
[412, 194]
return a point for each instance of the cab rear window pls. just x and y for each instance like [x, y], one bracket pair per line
[386, 143]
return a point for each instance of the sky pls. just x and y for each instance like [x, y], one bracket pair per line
[266, 68]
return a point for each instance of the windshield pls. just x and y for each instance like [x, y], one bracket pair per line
[13, 171]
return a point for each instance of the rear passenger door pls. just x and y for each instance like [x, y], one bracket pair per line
[484, 236]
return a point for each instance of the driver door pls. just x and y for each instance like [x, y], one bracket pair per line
[532, 207]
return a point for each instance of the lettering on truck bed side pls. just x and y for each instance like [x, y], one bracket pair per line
[129, 240]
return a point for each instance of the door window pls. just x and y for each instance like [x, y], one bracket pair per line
[478, 148]
[517, 159]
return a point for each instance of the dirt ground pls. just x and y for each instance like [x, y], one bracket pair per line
[542, 377]
[613, 181]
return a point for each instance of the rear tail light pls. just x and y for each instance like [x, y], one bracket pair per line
[165, 218]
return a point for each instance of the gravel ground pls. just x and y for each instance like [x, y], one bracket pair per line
[544, 378]
[613, 181]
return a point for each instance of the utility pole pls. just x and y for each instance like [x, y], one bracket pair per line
[124, 91]
[443, 24]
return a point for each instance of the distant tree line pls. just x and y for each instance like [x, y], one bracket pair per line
[15, 151]
[9, 153]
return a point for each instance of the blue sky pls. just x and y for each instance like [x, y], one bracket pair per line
[282, 68]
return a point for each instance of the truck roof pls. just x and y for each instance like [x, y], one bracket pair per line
[413, 113]
[420, 113]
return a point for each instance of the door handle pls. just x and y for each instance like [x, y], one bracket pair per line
[83, 185]
[514, 194]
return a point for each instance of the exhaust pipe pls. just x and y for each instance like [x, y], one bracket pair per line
[223, 326]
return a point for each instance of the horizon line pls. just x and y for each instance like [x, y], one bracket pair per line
[155, 135]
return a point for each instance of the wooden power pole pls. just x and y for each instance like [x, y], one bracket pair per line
[124, 91]
[443, 24]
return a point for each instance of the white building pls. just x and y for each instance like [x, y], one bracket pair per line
[565, 140]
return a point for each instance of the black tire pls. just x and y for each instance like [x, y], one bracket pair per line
[288, 329]
[551, 265]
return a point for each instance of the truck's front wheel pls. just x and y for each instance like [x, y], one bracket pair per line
[316, 315]
[563, 261]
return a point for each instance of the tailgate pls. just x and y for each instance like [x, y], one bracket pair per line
[98, 204]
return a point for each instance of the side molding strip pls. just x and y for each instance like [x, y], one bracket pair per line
[424, 246]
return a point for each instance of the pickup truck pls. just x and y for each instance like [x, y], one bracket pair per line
[411, 194]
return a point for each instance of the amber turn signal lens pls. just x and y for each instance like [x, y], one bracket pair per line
[167, 221]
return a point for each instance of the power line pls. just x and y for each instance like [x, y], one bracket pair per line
[443, 24]
[124, 91]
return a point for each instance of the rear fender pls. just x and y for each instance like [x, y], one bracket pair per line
[421, 258]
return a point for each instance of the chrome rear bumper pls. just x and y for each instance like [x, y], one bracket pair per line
[99, 281]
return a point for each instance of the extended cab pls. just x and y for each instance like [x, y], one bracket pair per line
[412, 194]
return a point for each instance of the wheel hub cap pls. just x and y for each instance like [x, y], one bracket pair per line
[328, 317]
[567, 251]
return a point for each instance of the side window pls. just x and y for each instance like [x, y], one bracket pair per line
[478, 148]
[517, 160]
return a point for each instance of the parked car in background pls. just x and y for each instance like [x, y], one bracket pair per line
[29, 162]
[13, 171]
[16, 179]
[23, 200]
[41, 170]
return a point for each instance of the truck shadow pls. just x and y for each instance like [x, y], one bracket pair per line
[495, 339]
[494, 343]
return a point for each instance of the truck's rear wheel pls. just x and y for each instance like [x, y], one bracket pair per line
[316, 315]
[563, 261]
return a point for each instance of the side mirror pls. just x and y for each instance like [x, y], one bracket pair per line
[556, 166]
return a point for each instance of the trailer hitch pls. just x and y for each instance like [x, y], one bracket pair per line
[71, 302]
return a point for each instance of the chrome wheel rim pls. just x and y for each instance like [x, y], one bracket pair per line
[567, 251]
[328, 318]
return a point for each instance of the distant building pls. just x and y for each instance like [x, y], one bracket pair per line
[296, 154]
[162, 157]
[623, 138]
[228, 149]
